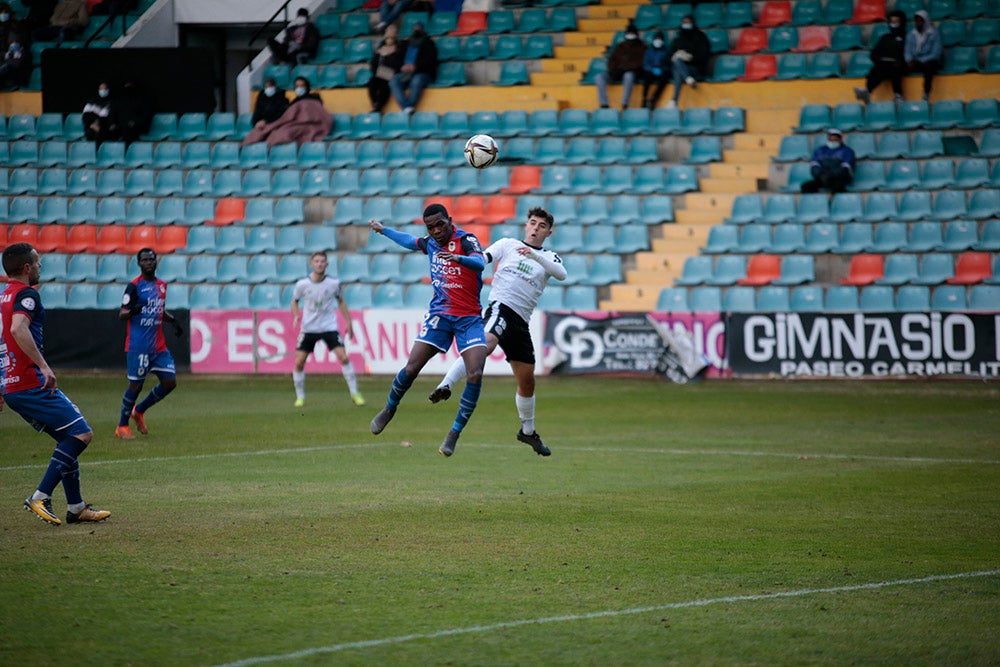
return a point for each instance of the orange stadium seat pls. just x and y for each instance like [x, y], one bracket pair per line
[470, 23]
[750, 40]
[110, 239]
[51, 238]
[774, 13]
[171, 238]
[468, 208]
[762, 270]
[971, 268]
[229, 210]
[864, 270]
[760, 67]
[80, 238]
[523, 179]
[23, 234]
[813, 38]
[868, 11]
[139, 237]
[499, 208]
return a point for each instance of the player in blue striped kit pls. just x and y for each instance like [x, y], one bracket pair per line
[143, 307]
[456, 261]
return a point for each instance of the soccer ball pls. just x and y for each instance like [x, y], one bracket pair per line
[481, 151]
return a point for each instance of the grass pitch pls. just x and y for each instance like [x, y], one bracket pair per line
[723, 523]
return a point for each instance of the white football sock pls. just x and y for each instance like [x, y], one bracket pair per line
[526, 411]
[454, 374]
[352, 381]
[299, 380]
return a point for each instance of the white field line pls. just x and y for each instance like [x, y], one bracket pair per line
[567, 448]
[385, 641]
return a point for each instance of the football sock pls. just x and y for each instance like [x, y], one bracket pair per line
[299, 380]
[454, 374]
[400, 385]
[467, 404]
[155, 395]
[128, 402]
[352, 380]
[64, 467]
[526, 411]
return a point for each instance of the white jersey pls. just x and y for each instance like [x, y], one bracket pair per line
[319, 303]
[518, 281]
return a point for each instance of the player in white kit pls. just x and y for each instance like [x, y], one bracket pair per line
[320, 299]
[521, 271]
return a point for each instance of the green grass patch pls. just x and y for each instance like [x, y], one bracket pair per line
[243, 528]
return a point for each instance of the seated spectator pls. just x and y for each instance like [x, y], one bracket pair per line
[133, 111]
[832, 164]
[305, 120]
[389, 11]
[9, 25]
[655, 70]
[385, 62]
[271, 103]
[98, 118]
[689, 53]
[888, 60]
[68, 19]
[15, 68]
[299, 43]
[624, 65]
[418, 68]
[923, 50]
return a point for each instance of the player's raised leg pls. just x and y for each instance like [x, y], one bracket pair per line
[474, 359]
[524, 399]
[420, 354]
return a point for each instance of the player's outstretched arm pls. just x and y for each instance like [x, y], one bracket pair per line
[408, 241]
[552, 265]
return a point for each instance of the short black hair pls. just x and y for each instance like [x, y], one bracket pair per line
[15, 257]
[304, 80]
[539, 212]
[436, 208]
[302, 12]
[138, 255]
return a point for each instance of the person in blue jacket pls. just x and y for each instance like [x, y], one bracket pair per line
[832, 164]
[655, 70]
[923, 50]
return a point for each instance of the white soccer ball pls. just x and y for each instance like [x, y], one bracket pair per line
[481, 151]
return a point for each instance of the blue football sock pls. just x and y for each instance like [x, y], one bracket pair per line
[128, 402]
[64, 467]
[155, 395]
[466, 405]
[400, 385]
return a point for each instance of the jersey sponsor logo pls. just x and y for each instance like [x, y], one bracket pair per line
[28, 303]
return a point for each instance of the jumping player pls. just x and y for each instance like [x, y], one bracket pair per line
[522, 270]
[28, 386]
[456, 261]
[321, 299]
[143, 307]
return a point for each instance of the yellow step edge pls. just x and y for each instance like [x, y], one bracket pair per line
[669, 262]
[625, 10]
[708, 202]
[554, 78]
[602, 25]
[596, 38]
[565, 65]
[699, 217]
[729, 170]
[748, 141]
[641, 294]
[746, 156]
[579, 52]
[627, 306]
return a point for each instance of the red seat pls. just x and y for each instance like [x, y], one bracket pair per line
[864, 270]
[971, 268]
[813, 38]
[3, 235]
[523, 179]
[774, 13]
[499, 208]
[80, 238]
[468, 208]
[760, 68]
[481, 232]
[868, 11]
[139, 237]
[229, 210]
[171, 238]
[445, 200]
[51, 238]
[762, 270]
[470, 23]
[22, 234]
[110, 239]
[750, 40]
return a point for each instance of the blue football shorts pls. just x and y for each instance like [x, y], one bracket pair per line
[141, 364]
[48, 410]
[439, 330]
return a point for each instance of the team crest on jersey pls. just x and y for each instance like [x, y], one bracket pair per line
[162, 289]
[28, 303]
[451, 246]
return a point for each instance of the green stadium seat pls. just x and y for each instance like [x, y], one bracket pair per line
[728, 270]
[705, 300]
[969, 174]
[753, 238]
[984, 297]
[737, 14]
[823, 66]
[820, 238]
[672, 300]
[796, 270]
[728, 68]
[354, 25]
[786, 238]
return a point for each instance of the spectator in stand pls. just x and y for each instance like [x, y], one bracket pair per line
[832, 164]
[624, 65]
[300, 41]
[418, 68]
[9, 25]
[303, 91]
[133, 111]
[389, 11]
[68, 19]
[15, 68]
[385, 62]
[923, 50]
[305, 120]
[689, 53]
[99, 123]
[888, 60]
[271, 103]
[655, 70]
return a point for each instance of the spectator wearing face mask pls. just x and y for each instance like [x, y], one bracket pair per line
[271, 103]
[303, 91]
[300, 41]
[9, 25]
[624, 65]
[133, 111]
[832, 164]
[923, 50]
[15, 68]
[888, 60]
[655, 70]
[385, 62]
[99, 124]
[418, 69]
[689, 53]
[304, 120]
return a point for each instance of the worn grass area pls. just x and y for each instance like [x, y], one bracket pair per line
[660, 531]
